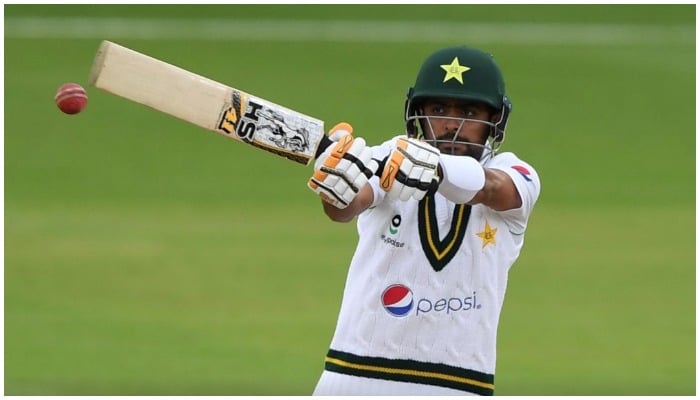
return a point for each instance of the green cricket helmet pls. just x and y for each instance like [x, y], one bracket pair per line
[463, 73]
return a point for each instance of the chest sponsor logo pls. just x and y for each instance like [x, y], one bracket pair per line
[395, 223]
[393, 231]
[398, 300]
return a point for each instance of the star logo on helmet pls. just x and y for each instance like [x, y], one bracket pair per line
[454, 71]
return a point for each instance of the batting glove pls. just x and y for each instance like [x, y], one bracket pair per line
[343, 168]
[410, 170]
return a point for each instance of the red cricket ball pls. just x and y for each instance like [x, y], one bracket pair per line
[71, 98]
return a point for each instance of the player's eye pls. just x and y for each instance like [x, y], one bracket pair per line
[468, 112]
[437, 109]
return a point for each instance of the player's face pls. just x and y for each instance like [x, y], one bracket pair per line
[455, 126]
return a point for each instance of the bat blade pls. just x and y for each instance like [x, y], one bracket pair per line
[206, 103]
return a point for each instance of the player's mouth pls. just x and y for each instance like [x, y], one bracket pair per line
[449, 146]
[453, 148]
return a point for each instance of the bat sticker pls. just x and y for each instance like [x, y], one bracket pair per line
[269, 126]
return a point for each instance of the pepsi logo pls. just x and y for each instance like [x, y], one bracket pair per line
[397, 300]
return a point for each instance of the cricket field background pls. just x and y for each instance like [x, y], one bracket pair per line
[144, 256]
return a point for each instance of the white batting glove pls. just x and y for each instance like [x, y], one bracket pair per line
[410, 170]
[343, 168]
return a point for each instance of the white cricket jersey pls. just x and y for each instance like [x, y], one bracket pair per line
[424, 292]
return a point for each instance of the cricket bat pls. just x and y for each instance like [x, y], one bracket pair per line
[208, 104]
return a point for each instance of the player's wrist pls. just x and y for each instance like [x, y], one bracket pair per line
[460, 177]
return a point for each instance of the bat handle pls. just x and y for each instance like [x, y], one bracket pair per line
[325, 142]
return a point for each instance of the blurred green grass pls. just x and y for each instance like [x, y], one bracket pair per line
[145, 256]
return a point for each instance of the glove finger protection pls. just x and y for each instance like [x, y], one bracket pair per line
[410, 170]
[343, 168]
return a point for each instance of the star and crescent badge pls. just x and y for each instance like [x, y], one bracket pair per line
[454, 71]
[488, 235]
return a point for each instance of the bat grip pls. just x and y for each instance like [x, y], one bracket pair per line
[325, 142]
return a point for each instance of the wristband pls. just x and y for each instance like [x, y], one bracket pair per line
[461, 179]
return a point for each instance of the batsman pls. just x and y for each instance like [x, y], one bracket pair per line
[441, 218]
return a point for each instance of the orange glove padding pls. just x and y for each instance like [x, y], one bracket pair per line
[343, 168]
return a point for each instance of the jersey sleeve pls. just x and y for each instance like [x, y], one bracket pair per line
[526, 181]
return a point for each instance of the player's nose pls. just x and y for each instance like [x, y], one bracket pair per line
[452, 124]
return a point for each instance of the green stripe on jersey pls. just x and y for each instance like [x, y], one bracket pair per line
[410, 371]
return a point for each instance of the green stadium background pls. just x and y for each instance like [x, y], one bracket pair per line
[144, 256]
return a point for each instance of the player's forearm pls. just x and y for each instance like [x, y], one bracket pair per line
[465, 181]
[499, 192]
[360, 203]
